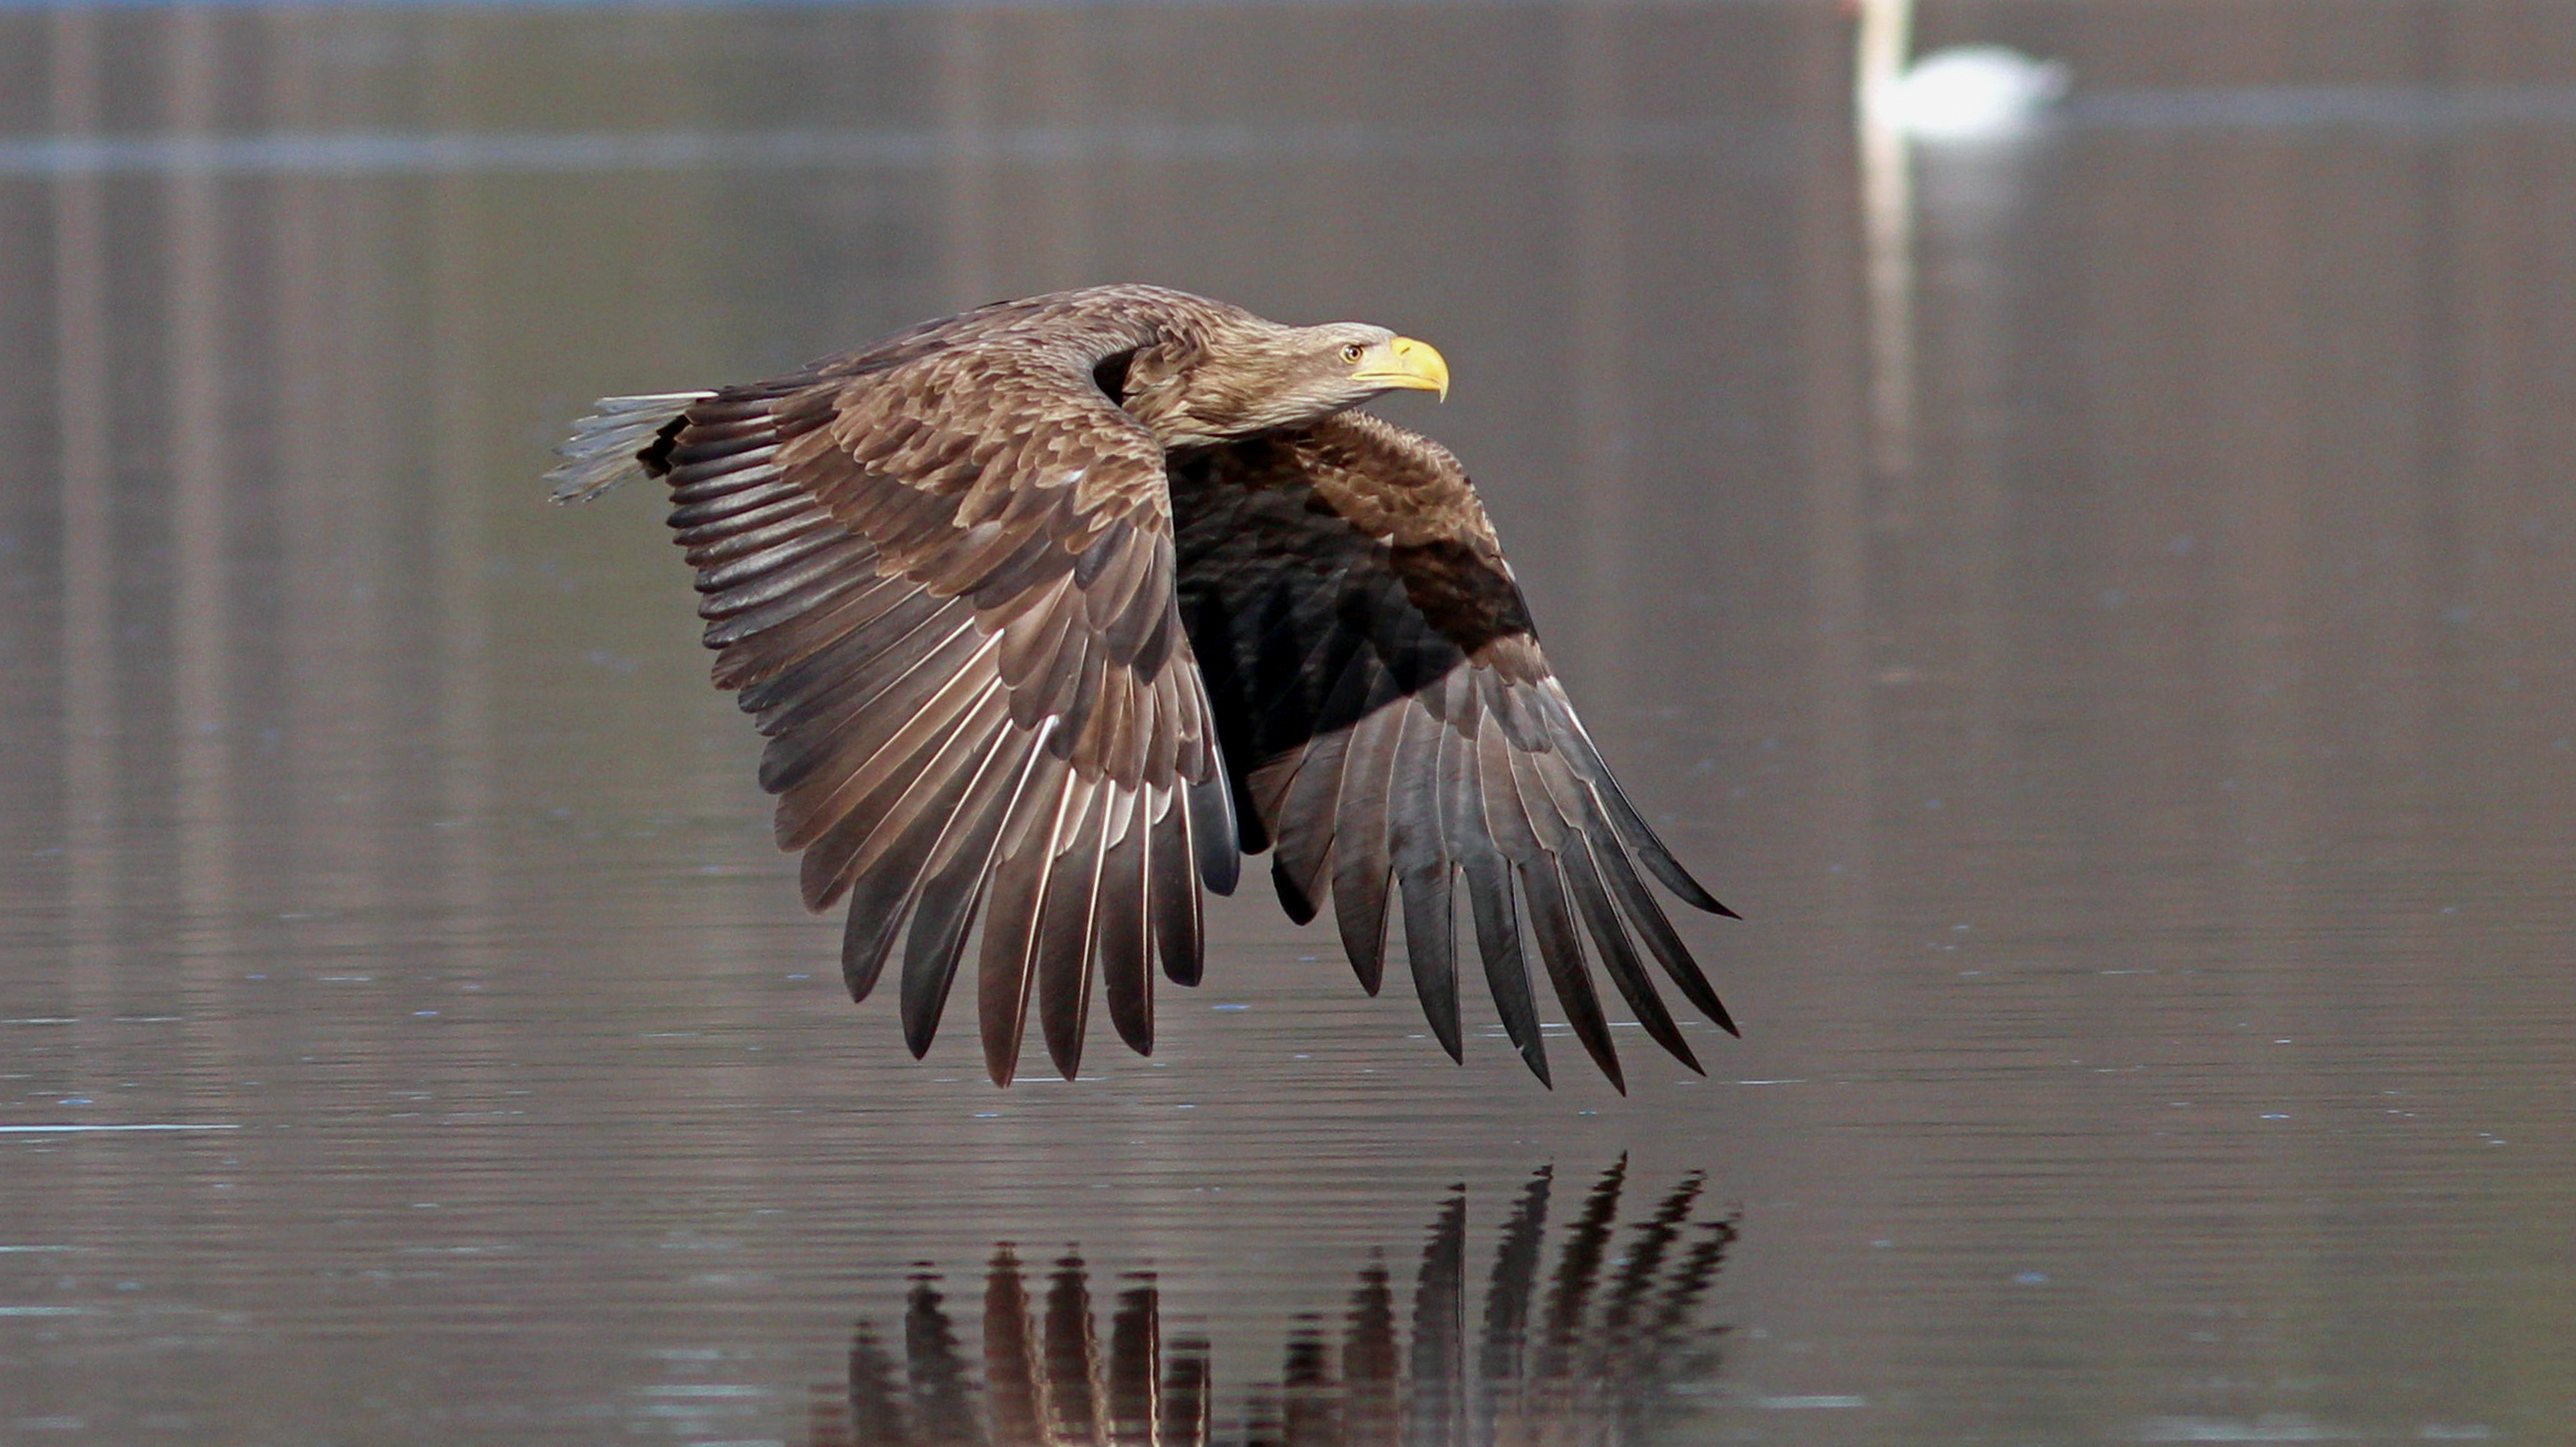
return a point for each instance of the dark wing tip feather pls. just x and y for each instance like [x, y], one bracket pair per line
[1562, 950]
[932, 954]
[1632, 827]
[1489, 896]
[1617, 952]
[865, 943]
[1300, 909]
[1174, 913]
[1124, 948]
[1211, 805]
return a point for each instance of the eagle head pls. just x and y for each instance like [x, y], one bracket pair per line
[1248, 378]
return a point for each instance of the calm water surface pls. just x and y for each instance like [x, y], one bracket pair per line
[2101, 606]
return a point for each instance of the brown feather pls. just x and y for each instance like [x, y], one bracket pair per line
[1120, 949]
[913, 714]
[1489, 897]
[1362, 866]
[950, 899]
[1067, 930]
[1618, 954]
[1003, 976]
[1174, 910]
[1563, 952]
[1422, 875]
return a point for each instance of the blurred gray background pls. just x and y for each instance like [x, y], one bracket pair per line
[2098, 599]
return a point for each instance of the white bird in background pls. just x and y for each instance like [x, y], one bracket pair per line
[1974, 93]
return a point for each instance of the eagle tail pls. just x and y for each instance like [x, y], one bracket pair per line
[607, 447]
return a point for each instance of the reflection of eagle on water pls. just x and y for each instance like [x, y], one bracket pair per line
[1051, 609]
[1602, 1349]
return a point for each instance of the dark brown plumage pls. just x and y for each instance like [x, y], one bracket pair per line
[1051, 609]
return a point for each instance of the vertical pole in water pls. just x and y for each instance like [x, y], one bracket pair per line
[1597, 265]
[201, 518]
[963, 158]
[459, 364]
[1887, 223]
[83, 426]
[1840, 339]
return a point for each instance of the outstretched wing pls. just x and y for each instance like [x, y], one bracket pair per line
[940, 574]
[1388, 719]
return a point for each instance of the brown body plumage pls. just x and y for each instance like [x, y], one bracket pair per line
[1051, 609]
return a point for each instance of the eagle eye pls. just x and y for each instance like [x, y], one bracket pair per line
[1353, 351]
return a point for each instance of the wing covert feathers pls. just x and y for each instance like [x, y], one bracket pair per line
[1394, 731]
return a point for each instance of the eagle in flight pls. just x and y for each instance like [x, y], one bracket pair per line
[1053, 610]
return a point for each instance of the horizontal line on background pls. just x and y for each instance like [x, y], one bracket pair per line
[86, 1129]
[382, 153]
[682, 6]
[395, 153]
[2295, 107]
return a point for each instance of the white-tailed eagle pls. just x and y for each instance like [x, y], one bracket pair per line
[1052, 610]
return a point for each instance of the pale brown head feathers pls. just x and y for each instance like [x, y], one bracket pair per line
[1244, 375]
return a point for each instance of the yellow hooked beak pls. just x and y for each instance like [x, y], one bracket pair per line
[1404, 362]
